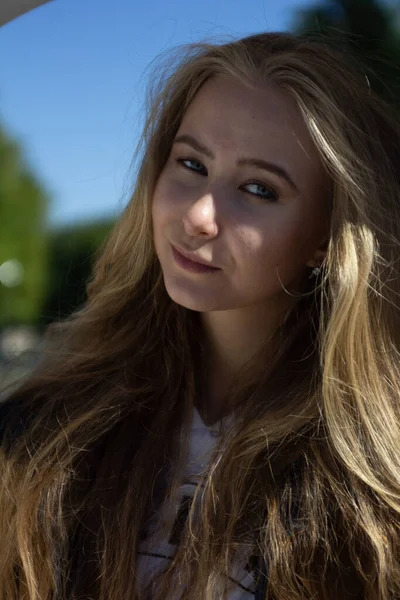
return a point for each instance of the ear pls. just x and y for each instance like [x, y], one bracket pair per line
[319, 255]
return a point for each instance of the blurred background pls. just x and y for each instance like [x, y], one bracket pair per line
[72, 82]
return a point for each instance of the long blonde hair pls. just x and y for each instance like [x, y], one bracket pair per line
[89, 440]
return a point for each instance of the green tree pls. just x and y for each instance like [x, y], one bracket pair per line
[368, 29]
[73, 249]
[23, 237]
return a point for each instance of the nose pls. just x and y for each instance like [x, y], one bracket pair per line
[200, 218]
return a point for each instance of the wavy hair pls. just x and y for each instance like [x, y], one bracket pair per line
[309, 475]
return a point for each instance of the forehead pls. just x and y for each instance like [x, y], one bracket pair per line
[262, 122]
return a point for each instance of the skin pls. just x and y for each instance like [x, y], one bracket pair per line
[261, 231]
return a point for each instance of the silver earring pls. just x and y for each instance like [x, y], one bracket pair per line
[315, 272]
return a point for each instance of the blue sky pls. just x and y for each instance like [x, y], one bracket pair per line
[72, 85]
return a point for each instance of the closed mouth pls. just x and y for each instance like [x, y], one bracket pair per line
[193, 260]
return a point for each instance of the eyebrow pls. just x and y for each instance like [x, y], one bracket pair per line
[259, 163]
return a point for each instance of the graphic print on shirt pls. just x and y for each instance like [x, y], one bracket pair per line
[154, 556]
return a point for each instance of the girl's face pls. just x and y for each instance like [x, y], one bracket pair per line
[244, 190]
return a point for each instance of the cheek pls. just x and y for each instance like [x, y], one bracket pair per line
[277, 243]
[271, 236]
[158, 204]
[161, 213]
[167, 211]
[293, 250]
[167, 202]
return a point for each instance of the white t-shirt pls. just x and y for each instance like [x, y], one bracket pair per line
[154, 554]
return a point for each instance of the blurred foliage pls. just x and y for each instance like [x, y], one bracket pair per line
[72, 250]
[368, 29]
[55, 264]
[23, 236]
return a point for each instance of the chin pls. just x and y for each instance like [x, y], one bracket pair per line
[192, 301]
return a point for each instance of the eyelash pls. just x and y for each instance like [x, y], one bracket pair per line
[181, 162]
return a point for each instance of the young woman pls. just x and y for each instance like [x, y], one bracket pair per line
[222, 417]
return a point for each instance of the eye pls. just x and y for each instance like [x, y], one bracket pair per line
[261, 190]
[192, 165]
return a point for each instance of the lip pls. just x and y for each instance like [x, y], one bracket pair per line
[189, 264]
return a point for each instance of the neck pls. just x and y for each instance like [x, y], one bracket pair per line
[233, 338]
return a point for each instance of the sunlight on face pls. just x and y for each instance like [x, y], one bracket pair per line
[244, 190]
